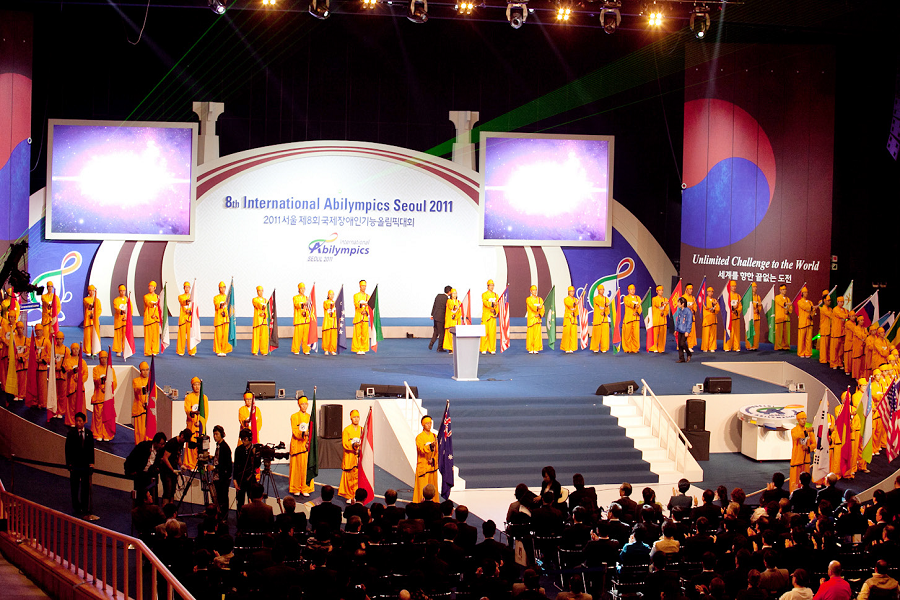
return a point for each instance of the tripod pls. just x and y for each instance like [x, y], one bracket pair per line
[267, 480]
[206, 486]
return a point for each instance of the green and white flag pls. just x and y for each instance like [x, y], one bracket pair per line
[768, 306]
[749, 323]
[848, 296]
[550, 315]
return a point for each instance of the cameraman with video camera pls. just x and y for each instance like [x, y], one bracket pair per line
[246, 462]
[221, 467]
[170, 465]
[143, 466]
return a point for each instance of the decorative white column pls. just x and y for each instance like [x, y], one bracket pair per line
[208, 147]
[463, 148]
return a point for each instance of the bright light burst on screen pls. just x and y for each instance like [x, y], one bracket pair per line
[567, 183]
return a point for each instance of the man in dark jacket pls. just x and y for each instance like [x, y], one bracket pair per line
[80, 462]
[221, 468]
[142, 465]
[246, 461]
[438, 310]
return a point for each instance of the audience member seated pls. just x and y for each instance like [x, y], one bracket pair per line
[880, 586]
[708, 509]
[256, 516]
[326, 512]
[774, 490]
[468, 535]
[576, 535]
[636, 552]
[585, 497]
[393, 514]
[358, 507]
[667, 544]
[702, 580]
[800, 587]
[803, 499]
[680, 503]
[530, 587]
[618, 530]
[451, 552]
[649, 500]
[428, 510]
[547, 520]
[146, 516]
[835, 587]
[576, 590]
[629, 506]
[171, 513]
[889, 548]
[753, 591]
[660, 578]
[773, 580]
[830, 492]
[873, 534]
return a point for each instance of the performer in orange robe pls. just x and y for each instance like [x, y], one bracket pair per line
[301, 321]
[737, 309]
[244, 414]
[869, 344]
[185, 316]
[452, 318]
[802, 441]
[92, 309]
[260, 343]
[330, 325]
[824, 327]
[7, 329]
[534, 315]
[221, 322]
[74, 362]
[49, 304]
[569, 341]
[196, 412]
[120, 316]
[140, 402]
[600, 321]
[783, 310]
[858, 351]
[757, 320]
[692, 306]
[489, 314]
[804, 325]
[152, 320]
[62, 389]
[426, 460]
[351, 439]
[710, 322]
[360, 343]
[98, 398]
[631, 322]
[849, 333]
[300, 450]
[660, 307]
[838, 317]
[42, 355]
[19, 355]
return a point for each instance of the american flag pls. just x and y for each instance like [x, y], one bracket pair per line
[504, 320]
[583, 318]
[890, 419]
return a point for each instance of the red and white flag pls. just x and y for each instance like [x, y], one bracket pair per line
[367, 460]
[725, 303]
[504, 320]
[128, 349]
[584, 327]
[466, 307]
[151, 401]
[52, 401]
[194, 337]
[312, 339]
[109, 398]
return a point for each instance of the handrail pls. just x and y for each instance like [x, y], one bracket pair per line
[81, 548]
[669, 418]
[678, 453]
[413, 408]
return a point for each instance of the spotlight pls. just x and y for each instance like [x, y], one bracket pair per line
[516, 13]
[563, 12]
[369, 4]
[610, 16]
[268, 3]
[320, 9]
[654, 13]
[464, 8]
[418, 11]
[700, 21]
[217, 6]
[655, 19]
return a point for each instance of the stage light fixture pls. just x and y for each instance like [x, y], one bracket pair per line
[611, 16]
[320, 9]
[369, 4]
[656, 19]
[268, 3]
[563, 12]
[700, 20]
[516, 13]
[464, 8]
[217, 6]
[418, 11]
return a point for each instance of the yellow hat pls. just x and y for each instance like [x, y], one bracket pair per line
[362, 282]
[301, 285]
[840, 299]
[248, 396]
[490, 282]
[801, 415]
[91, 288]
[862, 381]
[303, 400]
[186, 284]
[50, 284]
[221, 284]
[782, 286]
[354, 412]
[60, 335]
[873, 327]
[330, 292]
[803, 289]
[259, 288]
[195, 380]
[630, 286]
[881, 330]
[426, 418]
[153, 283]
[876, 372]
[571, 288]
[38, 327]
[103, 354]
[122, 288]
[659, 287]
[76, 347]
[710, 289]
[452, 290]
[533, 288]
[143, 365]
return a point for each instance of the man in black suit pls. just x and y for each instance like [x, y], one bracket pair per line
[629, 506]
[326, 512]
[393, 514]
[256, 516]
[428, 510]
[142, 465]
[438, 310]
[830, 492]
[468, 535]
[246, 462]
[221, 466]
[80, 462]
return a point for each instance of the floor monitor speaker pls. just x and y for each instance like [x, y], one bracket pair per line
[717, 385]
[619, 387]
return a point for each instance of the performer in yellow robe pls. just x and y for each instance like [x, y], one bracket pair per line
[834, 448]
[756, 307]
[92, 311]
[7, 329]
[42, 355]
[19, 357]
[879, 435]
[853, 441]
[783, 309]
[351, 439]
[260, 343]
[858, 350]
[452, 318]
[709, 340]
[120, 316]
[849, 333]
[97, 399]
[185, 316]
[360, 343]
[489, 314]
[300, 450]
[838, 318]
[600, 322]
[802, 442]
[61, 352]
[804, 325]
[534, 313]
[73, 362]
[569, 343]
[631, 321]
[660, 307]
[824, 327]
[871, 338]
[426, 460]
[882, 349]
[49, 303]
[221, 322]
[152, 320]
[244, 414]
[195, 420]
[734, 324]
[692, 306]
[301, 321]
[7, 303]
[330, 325]
[140, 402]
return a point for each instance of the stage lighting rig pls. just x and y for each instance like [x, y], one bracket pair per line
[320, 9]
[516, 13]
[563, 11]
[268, 3]
[611, 16]
[217, 6]
[418, 11]
[700, 20]
[464, 8]
[654, 12]
[369, 4]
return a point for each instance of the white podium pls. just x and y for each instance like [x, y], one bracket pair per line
[466, 347]
[766, 430]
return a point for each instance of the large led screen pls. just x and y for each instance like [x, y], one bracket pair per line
[546, 189]
[121, 181]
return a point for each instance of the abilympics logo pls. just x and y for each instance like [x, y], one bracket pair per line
[325, 249]
[317, 245]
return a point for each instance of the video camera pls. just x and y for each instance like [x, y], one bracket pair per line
[268, 452]
[202, 447]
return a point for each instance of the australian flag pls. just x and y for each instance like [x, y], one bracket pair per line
[445, 453]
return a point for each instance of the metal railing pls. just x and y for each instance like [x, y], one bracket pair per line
[412, 409]
[663, 427]
[113, 563]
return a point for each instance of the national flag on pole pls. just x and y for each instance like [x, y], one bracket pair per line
[842, 424]
[869, 309]
[503, 312]
[701, 306]
[78, 374]
[367, 460]
[865, 417]
[796, 300]
[232, 319]
[164, 336]
[749, 322]
[893, 334]
[151, 400]
[647, 309]
[673, 299]
[272, 314]
[821, 454]
[583, 320]
[312, 463]
[889, 417]
[52, 402]
[254, 422]
[194, 336]
[848, 296]
[615, 318]
[445, 453]
[550, 315]
[375, 334]
[109, 398]
[886, 321]
[128, 348]
[466, 308]
[768, 306]
[725, 303]
[31, 384]
[54, 316]
[339, 320]
[201, 411]
[313, 338]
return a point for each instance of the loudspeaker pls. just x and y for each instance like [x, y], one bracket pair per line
[699, 444]
[717, 385]
[261, 389]
[387, 391]
[695, 415]
[619, 387]
[331, 421]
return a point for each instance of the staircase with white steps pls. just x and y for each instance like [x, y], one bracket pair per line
[651, 440]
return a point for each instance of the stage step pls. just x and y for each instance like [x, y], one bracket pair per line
[499, 443]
